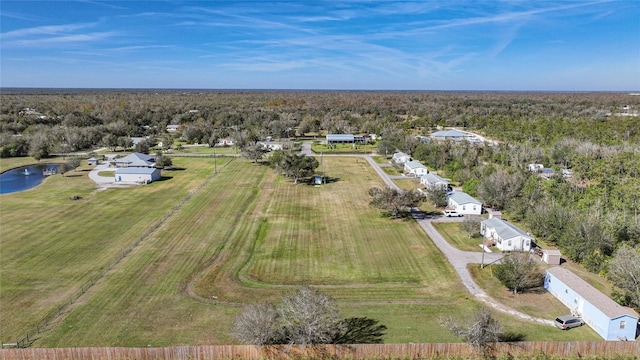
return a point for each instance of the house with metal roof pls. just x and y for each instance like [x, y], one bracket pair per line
[333, 139]
[140, 175]
[400, 158]
[415, 168]
[505, 235]
[454, 135]
[464, 203]
[136, 159]
[432, 179]
[609, 319]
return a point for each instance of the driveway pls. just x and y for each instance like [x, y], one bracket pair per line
[459, 259]
[104, 182]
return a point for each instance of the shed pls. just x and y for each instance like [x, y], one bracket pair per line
[551, 256]
[137, 175]
[609, 319]
[92, 161]
[317, 180]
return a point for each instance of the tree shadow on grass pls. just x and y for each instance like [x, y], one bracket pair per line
[511, 336]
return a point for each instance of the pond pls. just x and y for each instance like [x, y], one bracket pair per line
[26, 177]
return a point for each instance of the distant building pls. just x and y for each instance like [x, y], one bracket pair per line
[333, 139]
[400, 158]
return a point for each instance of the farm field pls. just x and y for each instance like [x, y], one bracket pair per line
[245, 235]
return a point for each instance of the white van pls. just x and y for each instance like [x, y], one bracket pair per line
[450, 213]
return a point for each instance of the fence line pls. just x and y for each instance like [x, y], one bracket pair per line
[575, 349]
[43, 325]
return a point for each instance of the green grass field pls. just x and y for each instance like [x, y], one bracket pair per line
[458, 237]
[208, 244]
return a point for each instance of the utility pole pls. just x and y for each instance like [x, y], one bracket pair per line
[215, 160]
[324, 179]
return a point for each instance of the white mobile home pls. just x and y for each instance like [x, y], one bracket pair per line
[432, 179]
[415, 168]
[400, 158]
[609, 319]
[505, 235]
[464, 204]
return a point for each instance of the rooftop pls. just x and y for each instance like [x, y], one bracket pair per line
[589, 293]
[463, 198]
[505, 229]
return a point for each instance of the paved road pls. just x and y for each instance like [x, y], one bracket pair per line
[459, 259]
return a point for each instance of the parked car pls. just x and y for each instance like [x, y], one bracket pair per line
[450, 213]
[566, 322]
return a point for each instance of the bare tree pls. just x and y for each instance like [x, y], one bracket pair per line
[519, 272]
[481, 331]
[307, 317]
[257, 325]
[624, 272]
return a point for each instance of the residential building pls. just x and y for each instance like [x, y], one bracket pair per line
[138, 175]
[505, 235]
[400, 158]
[415, 168]
[609, 319]
[464, 204]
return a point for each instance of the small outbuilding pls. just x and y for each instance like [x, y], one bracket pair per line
[551, 256]
[140, 175]
[92, 161]
[609, 319]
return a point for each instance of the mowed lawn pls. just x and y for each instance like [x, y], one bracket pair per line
[245, 235]
[52, 245]
[329, 235]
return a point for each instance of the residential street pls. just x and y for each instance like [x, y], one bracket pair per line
[458, 258]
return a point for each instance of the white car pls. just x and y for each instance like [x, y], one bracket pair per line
[450, 213]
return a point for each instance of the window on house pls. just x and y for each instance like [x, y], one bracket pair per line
[509, 243]
[566, 291]
[464, 207]
[622, 324]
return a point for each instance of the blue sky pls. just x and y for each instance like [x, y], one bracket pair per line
[377, 45]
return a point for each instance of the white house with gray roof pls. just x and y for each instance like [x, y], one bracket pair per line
[505, 235]
[464, 204]
[432, 179]
[400, 158]
[609, 319]
[415, 168]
